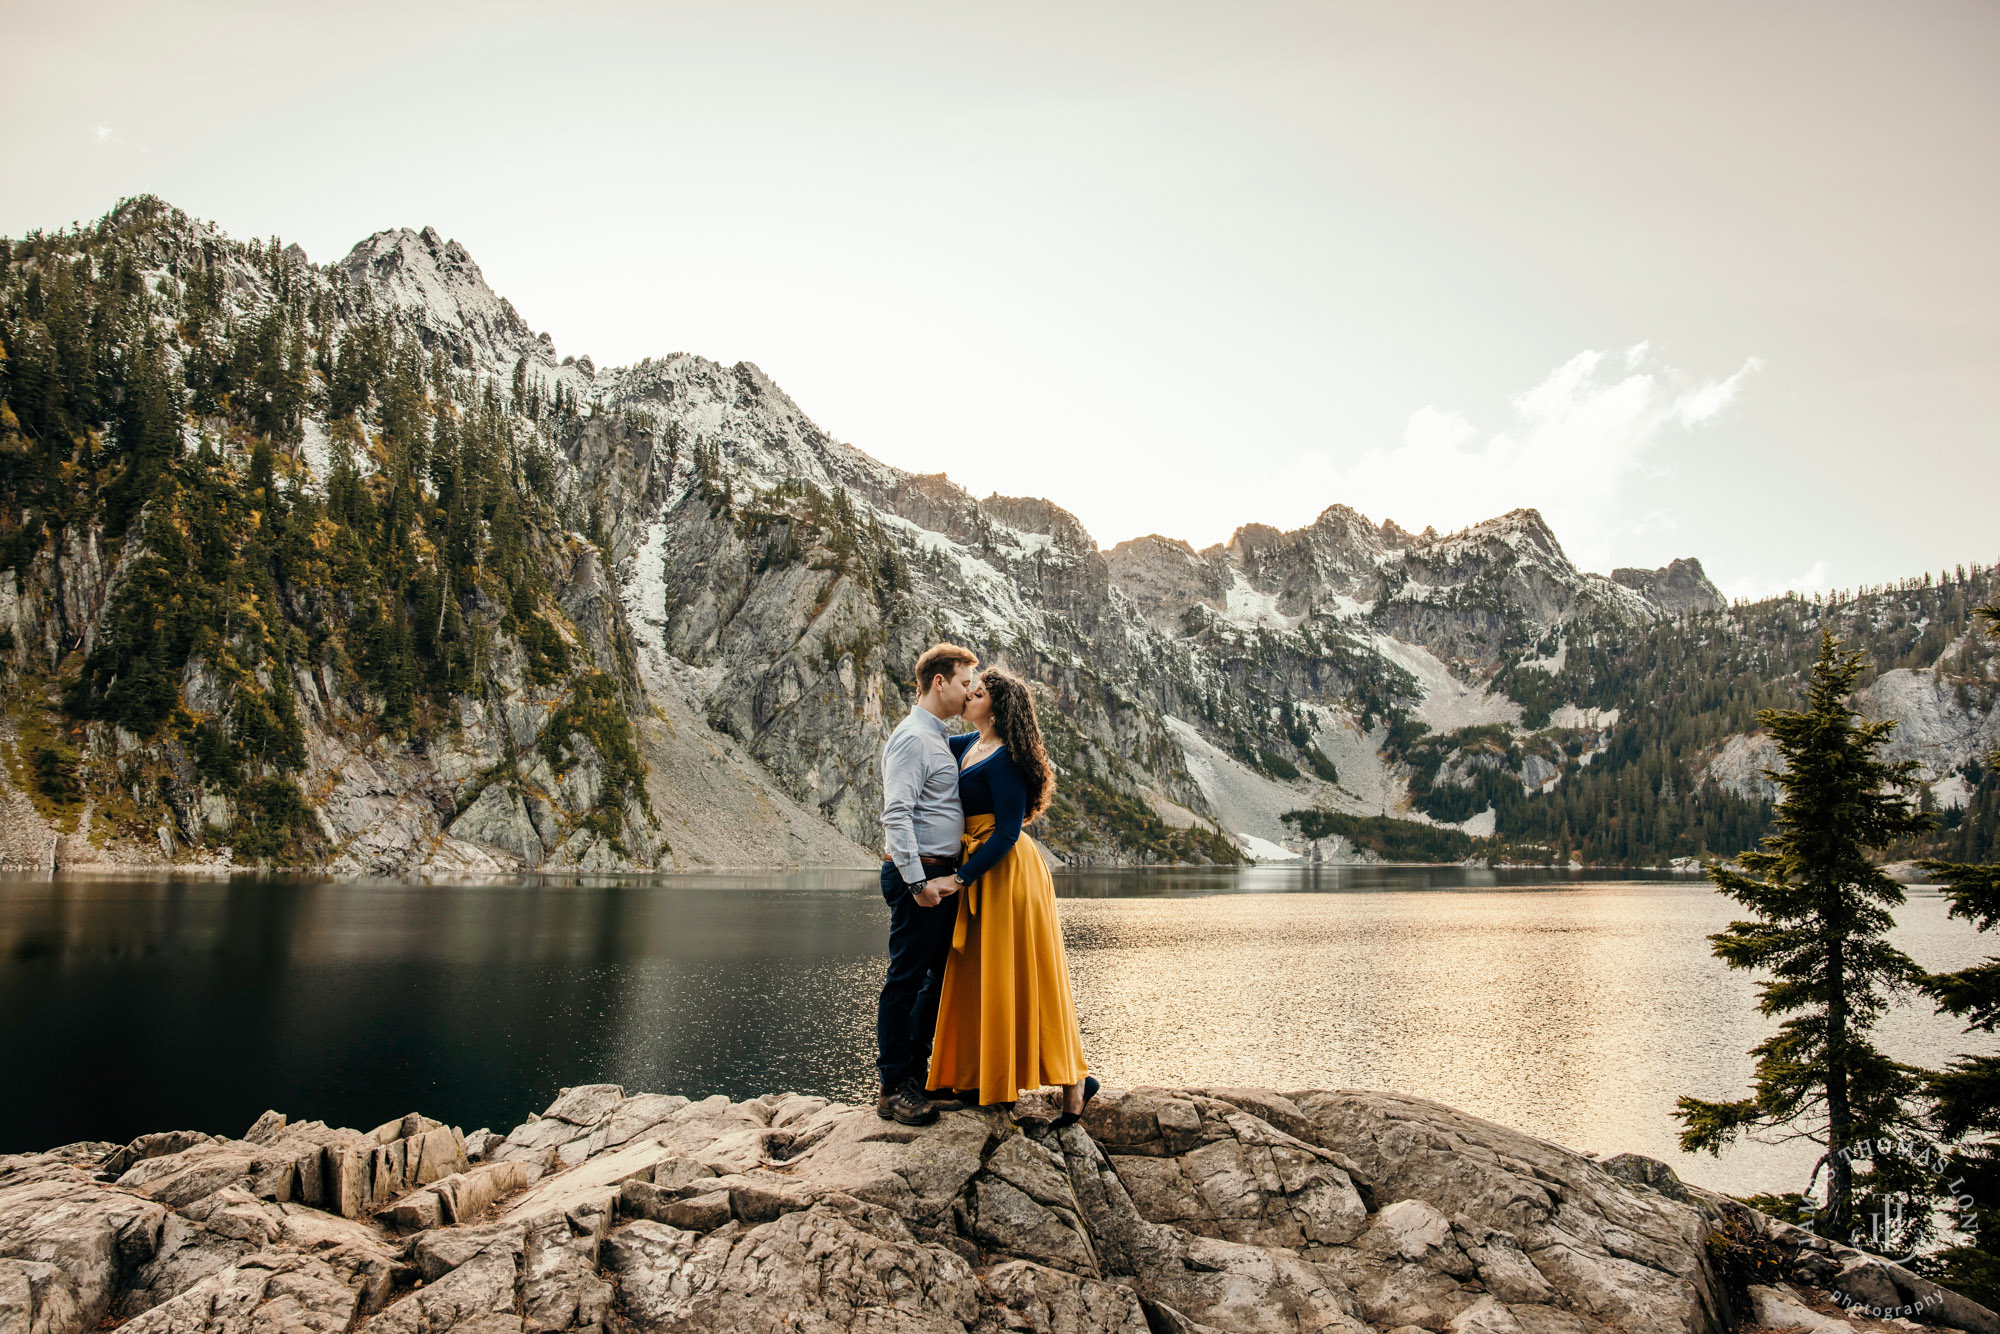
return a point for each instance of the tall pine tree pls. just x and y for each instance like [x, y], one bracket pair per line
[1820, 931]
[1965, 1097]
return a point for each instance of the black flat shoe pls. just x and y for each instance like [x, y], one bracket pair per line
[1090, 1087]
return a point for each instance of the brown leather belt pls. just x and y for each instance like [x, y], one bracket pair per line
[942, 865]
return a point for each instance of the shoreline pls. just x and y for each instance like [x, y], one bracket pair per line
[223, 871]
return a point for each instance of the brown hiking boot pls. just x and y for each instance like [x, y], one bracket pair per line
[906, 1105]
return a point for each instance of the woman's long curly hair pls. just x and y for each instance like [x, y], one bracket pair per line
[1021, 732]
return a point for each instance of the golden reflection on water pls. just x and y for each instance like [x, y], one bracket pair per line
[1577, 1013]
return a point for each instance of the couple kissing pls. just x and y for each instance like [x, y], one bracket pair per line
[976, 1005]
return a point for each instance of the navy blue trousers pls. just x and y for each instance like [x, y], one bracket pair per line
[906, 1019]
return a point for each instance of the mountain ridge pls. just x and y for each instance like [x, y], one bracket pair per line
[681, 536]
[426, 273]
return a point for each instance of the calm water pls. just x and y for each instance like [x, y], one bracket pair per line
[1576, 1009]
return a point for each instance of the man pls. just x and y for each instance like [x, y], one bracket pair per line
[922, 822]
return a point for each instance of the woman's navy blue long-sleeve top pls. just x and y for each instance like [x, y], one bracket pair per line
[991, 787]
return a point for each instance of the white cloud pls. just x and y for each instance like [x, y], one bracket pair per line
[1697, 406]
[1579, 442]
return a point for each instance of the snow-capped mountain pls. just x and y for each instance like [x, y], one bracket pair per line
[759, 590]
[1473, 588]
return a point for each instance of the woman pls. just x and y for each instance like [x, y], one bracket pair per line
[1006, 1019]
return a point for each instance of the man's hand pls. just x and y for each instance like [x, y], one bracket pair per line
[936, 890]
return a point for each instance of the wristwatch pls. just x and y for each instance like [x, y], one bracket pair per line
[963, 883]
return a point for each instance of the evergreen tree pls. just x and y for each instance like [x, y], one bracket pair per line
[1820, 929]
[148, 430]
[1965, 1097]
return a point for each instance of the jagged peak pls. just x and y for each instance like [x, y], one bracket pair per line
[1155, 542]
[1517, 528]
[1345, 516]
[438, 284]
[1395, 537]
[413, 242]
[413, 264]
[1527, 519]
[1254, 537]
[1512, 527]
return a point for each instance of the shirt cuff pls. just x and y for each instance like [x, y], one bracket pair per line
[913, 873]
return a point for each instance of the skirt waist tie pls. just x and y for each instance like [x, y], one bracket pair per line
[978, 828]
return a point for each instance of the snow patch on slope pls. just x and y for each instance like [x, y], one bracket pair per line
[996, 598]
[1252, 608]
[1553, 664]
[316, 448]
[1952, 793]
[1448, 702]
[1570, 716]
[1243, 800]
[1368, 785]
[1263, 850]
[642, 587]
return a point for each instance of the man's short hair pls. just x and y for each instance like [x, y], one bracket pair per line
[942, 660]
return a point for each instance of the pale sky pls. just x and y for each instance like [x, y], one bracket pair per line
[1698, 279]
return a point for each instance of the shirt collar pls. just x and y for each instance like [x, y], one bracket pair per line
[925, 716]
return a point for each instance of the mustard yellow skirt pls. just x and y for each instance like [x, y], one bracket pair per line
[1006, 1019]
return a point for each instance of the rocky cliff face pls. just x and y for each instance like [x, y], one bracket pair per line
[751, 594]
[1681, 586]
[1166, 1209]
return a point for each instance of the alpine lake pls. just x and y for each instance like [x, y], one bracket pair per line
[1574, 1005]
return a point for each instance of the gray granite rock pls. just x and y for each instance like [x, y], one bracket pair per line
[1166, 1210]
[76, 1243]
[270, 1290]
[585, 1105]
[1624, 1256]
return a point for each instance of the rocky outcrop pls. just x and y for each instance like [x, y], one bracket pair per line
[1187, 1210]
[1167, 579]
[1947, 727]
[1675, 588]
